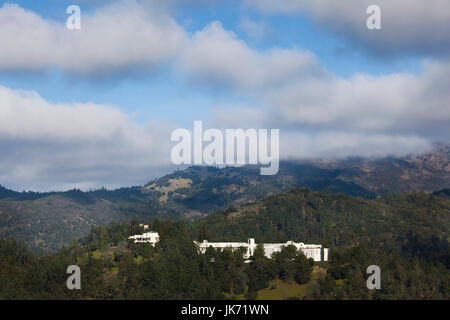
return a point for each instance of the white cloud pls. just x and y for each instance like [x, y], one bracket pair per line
[366, 115]
[398, 103]
[114, 37]
[407, 25]
[293, 89]
[52, 146]
[340, 144]
[216, 56]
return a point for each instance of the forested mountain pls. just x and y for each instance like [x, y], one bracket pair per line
[405, 235]
[173, 269]
[48, 220]
[336, 220]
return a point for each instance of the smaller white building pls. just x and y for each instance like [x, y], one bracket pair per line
[148, 237]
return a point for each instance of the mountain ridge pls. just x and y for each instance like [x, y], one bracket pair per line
[49, 220]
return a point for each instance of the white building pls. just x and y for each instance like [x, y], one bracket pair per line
[313, 251]
[148, 237]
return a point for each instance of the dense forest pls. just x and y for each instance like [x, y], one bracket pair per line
[405, 235]
[112, 268]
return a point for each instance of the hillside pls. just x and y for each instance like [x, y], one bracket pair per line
[405, 235]
[426, 172]
[113, 268]
[336, 220]
[48, 220]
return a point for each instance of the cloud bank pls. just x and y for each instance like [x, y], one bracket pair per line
[47, 145]
[53, 146]
[296, 93]
[112, 38]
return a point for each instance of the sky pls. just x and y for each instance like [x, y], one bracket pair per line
[95, 107]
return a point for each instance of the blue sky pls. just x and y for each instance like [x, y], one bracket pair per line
[333, 87]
